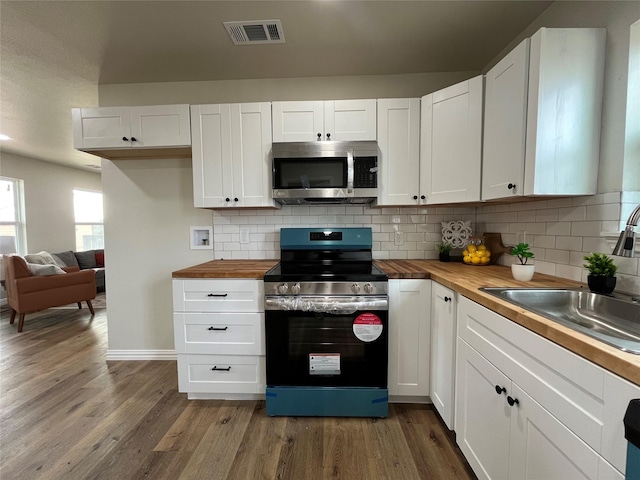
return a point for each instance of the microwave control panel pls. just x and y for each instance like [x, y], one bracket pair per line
[365, 172]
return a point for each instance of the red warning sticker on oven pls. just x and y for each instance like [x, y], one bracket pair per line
[367, 327]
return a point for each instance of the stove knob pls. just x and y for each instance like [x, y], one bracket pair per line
[355, 288]
[368, 288]
[295, 288]
[283, 288]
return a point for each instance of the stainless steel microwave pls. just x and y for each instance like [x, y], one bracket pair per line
[325, 172]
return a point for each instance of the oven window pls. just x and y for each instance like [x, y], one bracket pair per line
[310, 173]
[319, 349]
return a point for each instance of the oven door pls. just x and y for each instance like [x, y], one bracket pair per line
[327, 342]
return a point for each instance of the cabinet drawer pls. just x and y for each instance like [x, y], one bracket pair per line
[221, 374]
[219, 333]
[223, 295]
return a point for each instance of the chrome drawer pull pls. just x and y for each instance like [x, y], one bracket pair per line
[218, 328]
[216, 369]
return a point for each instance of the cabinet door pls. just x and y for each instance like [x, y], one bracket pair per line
[451, 143]
[251, 160]
[505, 117]
[443, 340]
[105, 127]
[350, 120]
[409, 337]
[211, 155]
[399, 144]
[160, 126]
[542, 447]
[297, 121]
[483, 416]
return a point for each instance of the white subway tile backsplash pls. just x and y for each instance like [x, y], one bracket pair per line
[545, 267]
[570, 272]
[561, 231]
[557, 256]
[569, 243]
[586, 229]
[558, 228]
[547, 215]
[544, 241]
[606, 211]
[572, 214]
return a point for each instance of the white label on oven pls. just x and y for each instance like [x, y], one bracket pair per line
[324, 364]
[367, 327]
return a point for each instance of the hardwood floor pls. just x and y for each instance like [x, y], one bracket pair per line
[68, 414]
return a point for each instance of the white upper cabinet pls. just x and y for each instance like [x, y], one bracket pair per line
[399, 144]
[324, 120]
[231, 155]
[123, 129]
[542, 116]
[451, 143]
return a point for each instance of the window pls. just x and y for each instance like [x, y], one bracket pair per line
[87, 208]
[13, 236]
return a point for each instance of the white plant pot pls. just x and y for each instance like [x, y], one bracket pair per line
[524, 273]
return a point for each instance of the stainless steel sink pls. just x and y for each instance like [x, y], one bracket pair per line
[612, 319]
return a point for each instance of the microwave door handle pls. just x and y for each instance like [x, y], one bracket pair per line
[350, 170]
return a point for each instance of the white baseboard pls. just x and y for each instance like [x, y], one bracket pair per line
[226, 396]
[141, 355]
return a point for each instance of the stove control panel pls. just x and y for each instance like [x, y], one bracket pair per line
[326, 288]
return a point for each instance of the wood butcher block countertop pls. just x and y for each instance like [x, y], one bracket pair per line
[227, 269]
[466, 280]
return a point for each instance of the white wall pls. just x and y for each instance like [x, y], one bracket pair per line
[48, 192]
[148, 207]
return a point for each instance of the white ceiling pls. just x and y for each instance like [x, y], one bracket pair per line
[55, 53]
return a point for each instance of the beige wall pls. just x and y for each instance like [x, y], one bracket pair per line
[265, 90]
[48, 192]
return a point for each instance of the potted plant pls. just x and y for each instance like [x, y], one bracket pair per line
[522, 270]
[602, 271]
[444, 249]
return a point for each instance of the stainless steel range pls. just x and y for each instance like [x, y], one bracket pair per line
[326, 318]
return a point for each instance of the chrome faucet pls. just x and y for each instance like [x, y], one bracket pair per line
[626, 242]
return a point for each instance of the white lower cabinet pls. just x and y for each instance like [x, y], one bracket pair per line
[409, 339]
[219, 337]
[527, 408]
[443, 350]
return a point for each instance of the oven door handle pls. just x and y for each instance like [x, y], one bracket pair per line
[325, 304]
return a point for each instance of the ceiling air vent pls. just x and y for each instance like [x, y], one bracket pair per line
[255, 32]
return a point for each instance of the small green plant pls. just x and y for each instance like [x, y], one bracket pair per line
[444, 247]
[600, 265]
[522, 252]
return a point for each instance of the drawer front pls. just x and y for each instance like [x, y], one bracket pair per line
[568, 386]
[219, 295]
[219, 333]
[221, 374]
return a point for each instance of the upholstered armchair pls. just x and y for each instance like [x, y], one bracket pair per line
[28, 293]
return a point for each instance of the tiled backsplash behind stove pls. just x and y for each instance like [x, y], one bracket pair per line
[560, 231]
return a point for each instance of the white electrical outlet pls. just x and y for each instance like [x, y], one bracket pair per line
[395, 219]
[398, 238]
[244, 235]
